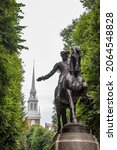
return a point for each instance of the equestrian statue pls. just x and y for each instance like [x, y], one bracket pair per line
[71, 85]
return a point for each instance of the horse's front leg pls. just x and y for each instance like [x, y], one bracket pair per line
[73, 117]
[71, 112]
[59, 123]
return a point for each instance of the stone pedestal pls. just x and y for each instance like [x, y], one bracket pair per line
[75, 137]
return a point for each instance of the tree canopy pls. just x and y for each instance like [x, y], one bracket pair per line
[11, 71]
[39, 138]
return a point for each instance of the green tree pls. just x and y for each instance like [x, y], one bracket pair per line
[10, 29]
[30, 136]
[39, 138]
[89, 4]
[11, 103]
[87, 35]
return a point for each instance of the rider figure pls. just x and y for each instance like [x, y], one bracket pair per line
[62, 67]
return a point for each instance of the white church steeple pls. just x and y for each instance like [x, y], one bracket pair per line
[33, 108]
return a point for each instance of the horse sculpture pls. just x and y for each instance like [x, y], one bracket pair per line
[73, 86]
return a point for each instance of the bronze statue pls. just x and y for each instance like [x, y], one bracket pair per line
[70, 87]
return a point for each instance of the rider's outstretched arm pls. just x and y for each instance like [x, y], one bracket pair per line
[47, 76]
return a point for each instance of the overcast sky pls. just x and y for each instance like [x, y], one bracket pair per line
[44, 20]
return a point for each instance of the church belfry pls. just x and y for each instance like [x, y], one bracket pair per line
[33, 108]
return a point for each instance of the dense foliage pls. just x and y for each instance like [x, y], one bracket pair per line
[39, 138]
[85, 32]
[11, 98]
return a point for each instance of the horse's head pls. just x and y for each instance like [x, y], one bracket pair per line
[75, 60]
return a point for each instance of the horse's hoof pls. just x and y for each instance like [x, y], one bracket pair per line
[59, 131]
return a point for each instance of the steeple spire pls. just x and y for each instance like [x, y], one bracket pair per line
[33, 90]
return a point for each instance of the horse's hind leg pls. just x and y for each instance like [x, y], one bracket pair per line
[71, 119]
[64, 117]
[85, 96]
[58, 109]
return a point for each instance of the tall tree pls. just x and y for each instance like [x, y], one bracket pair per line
[11, 108]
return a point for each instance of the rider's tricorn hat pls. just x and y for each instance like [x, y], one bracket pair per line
[64, 53]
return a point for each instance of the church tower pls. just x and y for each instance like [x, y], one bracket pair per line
[33, 108]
